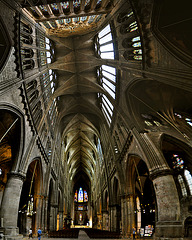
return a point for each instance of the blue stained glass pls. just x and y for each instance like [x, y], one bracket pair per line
[85, 196]
[75, 197]
[91, 18]
[61, 21]
[76, 3]
[135, 39]
[43, 8]
[76, 19]
[83, 18]
[67, 20]
[80, 195]
[177, 162]
[137, 51]
[87, 2]
[65, 5]
[138, 44]
[54, 6]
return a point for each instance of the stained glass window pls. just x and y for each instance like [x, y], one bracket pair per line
[76, 3]
[85, 196]
[75, 197]
[186, 118]
[54, 6]
[65, 5]
[43, 8]
[61, 21]
[80, 195]
[189, 179]
[91, 19]
[76, 19]
[182, 184]
[189, 121]
[136, 39]
[87, 2]
[67, 20]
[99, 1]
[177, 162]
[137, 44]
[83, 18]
[133, 26]
[80, 208]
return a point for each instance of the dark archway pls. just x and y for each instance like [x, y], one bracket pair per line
[5, 44]
[171, 23]
[29, 198]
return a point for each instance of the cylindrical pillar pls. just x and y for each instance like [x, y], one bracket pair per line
[10, 204]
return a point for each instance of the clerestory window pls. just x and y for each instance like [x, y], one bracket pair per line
[107, 79]
[104, 44]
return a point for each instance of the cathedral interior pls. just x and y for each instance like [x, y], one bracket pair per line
[96, 117]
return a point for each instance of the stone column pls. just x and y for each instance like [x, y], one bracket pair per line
[113, 217]
[53, 217]
[38, 212]
[44, 214]
[168, 224]
[127, 215]
[60, 220]
[10, 205]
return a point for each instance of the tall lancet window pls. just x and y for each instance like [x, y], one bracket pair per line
[104, 44]
[80, 195]
[107, 79]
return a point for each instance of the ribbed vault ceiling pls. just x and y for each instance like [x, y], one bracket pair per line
[70, 24]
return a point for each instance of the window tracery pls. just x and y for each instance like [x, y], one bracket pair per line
[46, 52]
[107, 79]
[104, 44]
[132, 41]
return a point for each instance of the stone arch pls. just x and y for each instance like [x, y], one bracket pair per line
[142, 194]
[5, 44]
[171, 27]
[30, 201]
[188, 227]
[11, 142]
[150, 108]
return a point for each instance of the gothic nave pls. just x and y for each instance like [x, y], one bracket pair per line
[96, 117]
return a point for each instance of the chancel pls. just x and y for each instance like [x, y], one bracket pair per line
[96, 118]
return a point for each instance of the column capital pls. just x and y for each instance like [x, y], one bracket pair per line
[18, 175]
[159, 173]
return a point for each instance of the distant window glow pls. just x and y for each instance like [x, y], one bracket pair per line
[80, 195]
[182, 184]
[189, 179]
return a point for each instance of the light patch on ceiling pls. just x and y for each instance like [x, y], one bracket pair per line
[70, 26]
